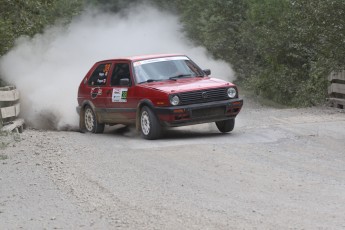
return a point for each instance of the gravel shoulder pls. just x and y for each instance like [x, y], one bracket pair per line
[279, 169]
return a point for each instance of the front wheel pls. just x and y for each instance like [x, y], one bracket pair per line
[90, 121]
[226, 125]
[149, 124]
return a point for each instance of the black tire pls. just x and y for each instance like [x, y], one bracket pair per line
[149, 124]
[226, 125]
[90, 121]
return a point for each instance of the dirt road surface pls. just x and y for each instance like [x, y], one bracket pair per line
[279, 169]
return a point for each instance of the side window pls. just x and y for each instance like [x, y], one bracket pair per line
[99, 76]
[121, 71]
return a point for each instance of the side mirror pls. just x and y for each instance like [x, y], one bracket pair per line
[124, 82]
[207, 71]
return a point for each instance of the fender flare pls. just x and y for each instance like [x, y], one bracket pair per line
[82, 113]
[142, 103]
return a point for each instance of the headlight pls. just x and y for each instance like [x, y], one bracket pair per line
[232, 92]
[175, 100]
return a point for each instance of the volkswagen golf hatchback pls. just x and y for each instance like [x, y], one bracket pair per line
[153, 92]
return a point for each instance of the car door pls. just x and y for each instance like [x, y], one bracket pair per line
[96, 86]
[121, 102]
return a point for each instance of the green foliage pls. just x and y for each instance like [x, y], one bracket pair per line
[300, 42]
[29, 17]
[113, 5]
[214, 24]
[280, 49]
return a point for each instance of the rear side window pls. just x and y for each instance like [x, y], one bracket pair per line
[99, 76]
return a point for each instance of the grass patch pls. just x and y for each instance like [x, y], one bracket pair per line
[7, 138]
[3, 157]
[3, 145]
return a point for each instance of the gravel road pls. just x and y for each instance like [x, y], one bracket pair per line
[279, 169]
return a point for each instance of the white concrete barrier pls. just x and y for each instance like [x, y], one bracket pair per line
[10, 109]
[336, 90]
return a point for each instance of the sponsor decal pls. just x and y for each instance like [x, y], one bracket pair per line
[95, 92]
[119, 95]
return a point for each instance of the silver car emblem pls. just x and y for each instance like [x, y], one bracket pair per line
[204, 95]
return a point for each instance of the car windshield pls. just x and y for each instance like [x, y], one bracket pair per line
[168, 68]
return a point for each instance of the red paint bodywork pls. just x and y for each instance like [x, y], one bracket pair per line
[152, 94]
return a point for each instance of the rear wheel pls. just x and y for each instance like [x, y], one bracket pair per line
[90, 121]
[149, 124]
[226, 125]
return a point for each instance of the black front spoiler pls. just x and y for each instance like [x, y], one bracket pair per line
[200, 113]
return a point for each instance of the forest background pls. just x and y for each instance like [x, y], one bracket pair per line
[282, 50]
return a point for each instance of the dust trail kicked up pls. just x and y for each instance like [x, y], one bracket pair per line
[48, 68]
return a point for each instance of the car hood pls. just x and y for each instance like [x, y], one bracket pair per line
[187, 84]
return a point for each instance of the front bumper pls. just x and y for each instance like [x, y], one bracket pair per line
[199, 113]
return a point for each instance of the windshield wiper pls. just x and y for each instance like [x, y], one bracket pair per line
[149, 80]
[179, 76]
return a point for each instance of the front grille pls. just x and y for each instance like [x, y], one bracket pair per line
[201, 96]
[208, 112]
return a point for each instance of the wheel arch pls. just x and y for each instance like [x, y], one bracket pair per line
[82, 113]
[140, 105]
[87, 103]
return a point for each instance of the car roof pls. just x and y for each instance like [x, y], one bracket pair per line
[142, 57]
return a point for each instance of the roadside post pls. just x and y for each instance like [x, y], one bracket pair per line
[336, 90]
[10, 109]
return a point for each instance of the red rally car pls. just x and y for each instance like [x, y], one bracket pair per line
[152, 92]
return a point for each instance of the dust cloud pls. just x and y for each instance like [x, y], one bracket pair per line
[48, 68]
